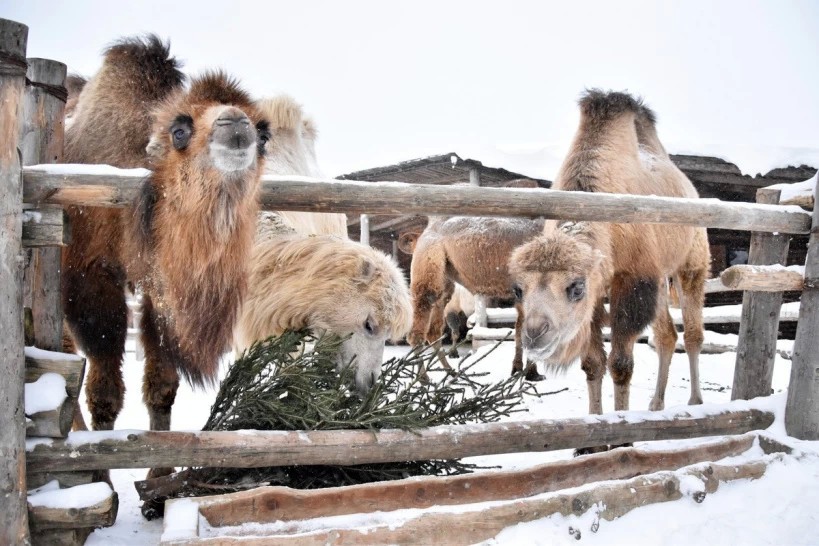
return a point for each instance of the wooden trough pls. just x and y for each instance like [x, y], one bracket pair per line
[30, 85]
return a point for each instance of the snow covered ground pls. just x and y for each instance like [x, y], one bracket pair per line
[777, 509]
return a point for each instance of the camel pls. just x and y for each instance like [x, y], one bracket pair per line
[186, 238]
[456, 313]
[562, 276]
[307, 274]
[473, 252]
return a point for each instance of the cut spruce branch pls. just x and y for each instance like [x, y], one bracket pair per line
[279, 385]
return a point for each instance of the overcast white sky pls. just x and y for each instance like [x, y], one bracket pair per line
[388, 82]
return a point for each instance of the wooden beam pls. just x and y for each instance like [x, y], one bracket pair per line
[759, 324]
[269, 504]
[73, 185]
[609, 500]
[55, 423]
[13, 514]
[364, 237]
[65, 479]
[102, 513]
[802, 409]
[45, 227]
[122, 449]
[760, 278]
[41, 142]
[70, 366]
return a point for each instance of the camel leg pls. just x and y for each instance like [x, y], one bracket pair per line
[593, 364]
[633, 307]
[428, 286]
[692, 298]
[159, 385]
[96, 314]
[665, 339]
[517, 363]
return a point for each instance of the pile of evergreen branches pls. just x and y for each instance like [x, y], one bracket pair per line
[291, 383]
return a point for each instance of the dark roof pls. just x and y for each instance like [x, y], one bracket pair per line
[439, 169]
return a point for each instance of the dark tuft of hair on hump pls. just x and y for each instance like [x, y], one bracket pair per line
[599, 105]
[150, 58]
[216, 86]
[74, 83]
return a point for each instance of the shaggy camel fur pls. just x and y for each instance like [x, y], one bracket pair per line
[307, 274]
[327, 284]
[185, 240]
[563, 275]
[474, 253]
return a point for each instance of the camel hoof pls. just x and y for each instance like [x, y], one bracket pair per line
[695, 401]
[534, 376]
[453, 353]
[590, 450]
[153, 509]
[656, 404]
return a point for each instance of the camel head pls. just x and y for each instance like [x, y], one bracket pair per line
[208, 143]
[369, 306]
[558, 278]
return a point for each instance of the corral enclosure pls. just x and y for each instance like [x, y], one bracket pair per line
[60, 186]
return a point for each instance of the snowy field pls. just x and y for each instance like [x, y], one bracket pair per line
[777, 509]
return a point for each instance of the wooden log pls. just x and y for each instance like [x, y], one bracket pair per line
[90, 185]
[45, 227]
[609, 500]
[761, 278]
[802, 409]
[60, 537]
[65, 479]
[13, 515]
[55, 423]
[269, 504]
[150, 449]
[41, 140]
[101, 513]
[759, 325]
[70, 366]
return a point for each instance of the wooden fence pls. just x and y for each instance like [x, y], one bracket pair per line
[33, 192]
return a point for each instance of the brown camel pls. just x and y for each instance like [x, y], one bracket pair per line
[563, 276]
[186, 238]
[473, 252]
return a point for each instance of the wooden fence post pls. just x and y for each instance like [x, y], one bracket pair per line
[802, 410]
[13, 509]
[41, 141]
[759, 323]
[364, 238]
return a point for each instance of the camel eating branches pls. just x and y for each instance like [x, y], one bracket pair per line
[277, 384]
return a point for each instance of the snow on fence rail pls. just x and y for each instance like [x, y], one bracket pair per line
[104, 186]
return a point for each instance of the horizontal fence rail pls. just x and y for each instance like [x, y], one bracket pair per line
[250, 449]
[96, 185]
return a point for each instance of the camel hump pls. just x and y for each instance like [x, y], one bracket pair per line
[283, 113]
[145, 62]
[603, 106]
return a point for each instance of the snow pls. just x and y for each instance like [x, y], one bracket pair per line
[42, 354]
[776, 509]
[46, 394]
[72, 169]
[182, 517]
[797, 189]
[79, 496]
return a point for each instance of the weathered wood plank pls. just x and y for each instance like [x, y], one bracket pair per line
[70, 366]
[611, 499]
[759, 324]
[41, 140]
[65, 479]
[13, 514]
[55, 423]
[46, 227]
[99, 514]
[123, 449]
[73, 185]
[802, 409]
[60, 537]
[268, 504]
[761, 278]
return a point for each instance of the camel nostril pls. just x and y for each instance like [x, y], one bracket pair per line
[532, 333]
[232, 120]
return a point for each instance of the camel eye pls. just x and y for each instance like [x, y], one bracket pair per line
[369, 326]
[181, 131]
[518, 292]
[577, 290]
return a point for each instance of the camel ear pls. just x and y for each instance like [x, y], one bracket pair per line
[407, 242]
[366, 271]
